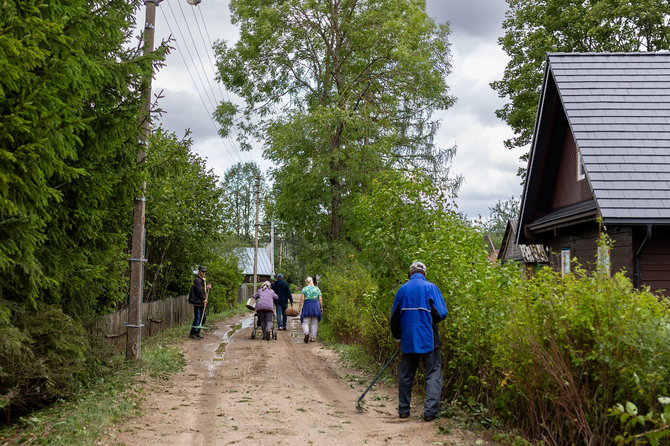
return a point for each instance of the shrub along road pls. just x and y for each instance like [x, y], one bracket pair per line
[238, 390]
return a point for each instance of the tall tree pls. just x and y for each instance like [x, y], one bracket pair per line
[535, 27]
[184, 213]
[500, 213]
[239, 199]
[69, 112]
[338, 91]
[70, 82]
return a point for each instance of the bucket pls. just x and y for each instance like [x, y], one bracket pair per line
[251, 304]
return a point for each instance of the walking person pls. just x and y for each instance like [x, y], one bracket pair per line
[283, 291]
[198, 298]
[265, 308]
[417, 308]
[311, 309]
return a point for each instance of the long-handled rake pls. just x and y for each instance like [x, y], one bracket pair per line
[200, 326]
[359, 403]
[202, 316]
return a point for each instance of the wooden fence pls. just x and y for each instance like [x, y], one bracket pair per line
[157, 316]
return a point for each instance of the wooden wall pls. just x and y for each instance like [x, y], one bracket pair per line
[568, 189]
[157, 316]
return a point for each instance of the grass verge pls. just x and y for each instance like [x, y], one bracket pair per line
[84, 418]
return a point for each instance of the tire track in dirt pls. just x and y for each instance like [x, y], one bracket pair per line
[243, 391]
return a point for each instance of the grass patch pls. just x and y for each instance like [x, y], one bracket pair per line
[84, 418]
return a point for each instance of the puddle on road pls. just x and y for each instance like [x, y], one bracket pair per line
[227, 336]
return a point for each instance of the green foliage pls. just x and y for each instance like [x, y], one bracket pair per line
[633, 422]
[501, 213]
[70, 103]
[576, 345]
[44, 355]
[533, 28]
[70, 107]
[239, 200]
[546, 354]
[346, 287]
[343, 90]
[225, 276]
[184, 214]
[85, 417]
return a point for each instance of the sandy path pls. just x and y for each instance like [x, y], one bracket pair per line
[238, 390]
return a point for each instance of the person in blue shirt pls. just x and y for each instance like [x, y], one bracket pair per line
[417, 308]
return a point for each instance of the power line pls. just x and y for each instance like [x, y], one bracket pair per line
[232, 151]
[197, 53]
[181, 34]
[246, 155]
[209, 48]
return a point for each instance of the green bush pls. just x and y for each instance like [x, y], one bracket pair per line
[575, 346]
[44, 355]
[549, 355]
[225, 277]
[344, 288]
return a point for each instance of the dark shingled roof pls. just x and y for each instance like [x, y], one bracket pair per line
[618, 108]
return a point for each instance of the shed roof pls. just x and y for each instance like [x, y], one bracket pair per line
[246, 262]
[511, 251]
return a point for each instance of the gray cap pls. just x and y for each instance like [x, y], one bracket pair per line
[280, 275]
[202, 268]
[417, 267]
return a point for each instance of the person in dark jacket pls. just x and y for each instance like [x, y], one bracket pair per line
[198, 298]
[283, 291]
[417, 308]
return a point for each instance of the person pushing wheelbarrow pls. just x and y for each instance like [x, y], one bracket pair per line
[198, 298]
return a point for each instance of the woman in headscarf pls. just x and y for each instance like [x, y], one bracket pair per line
[265, 308]
[311, 309]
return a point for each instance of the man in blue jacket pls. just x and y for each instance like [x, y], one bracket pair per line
[417, 308]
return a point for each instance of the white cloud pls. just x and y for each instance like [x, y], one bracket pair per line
[488, 167]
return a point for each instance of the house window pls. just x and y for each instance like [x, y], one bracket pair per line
[581, 172]
[604, 260]
[565, 261]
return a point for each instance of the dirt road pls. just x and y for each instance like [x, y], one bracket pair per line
[238, 390]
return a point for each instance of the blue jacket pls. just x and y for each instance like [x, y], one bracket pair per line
[417, 307]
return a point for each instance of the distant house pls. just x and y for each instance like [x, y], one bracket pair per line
[528, 256]
[264, 268]
[491, 251]
[601, 149]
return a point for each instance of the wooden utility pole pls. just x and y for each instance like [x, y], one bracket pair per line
[137, 260]
[258, 206]
[272, 245]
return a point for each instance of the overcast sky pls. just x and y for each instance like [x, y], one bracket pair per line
[489, 169]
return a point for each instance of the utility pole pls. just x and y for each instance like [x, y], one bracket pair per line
[272, 245]
[258, 205]
[134, 324]
[137, 260]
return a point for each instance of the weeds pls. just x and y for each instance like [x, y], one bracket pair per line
[84, 418]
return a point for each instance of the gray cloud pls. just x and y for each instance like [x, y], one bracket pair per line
[478, 18]
[184, 110]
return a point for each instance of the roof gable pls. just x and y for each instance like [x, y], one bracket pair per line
[617, 106]
[246, 262]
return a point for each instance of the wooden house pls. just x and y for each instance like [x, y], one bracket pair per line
[601, 151]
[264, 268]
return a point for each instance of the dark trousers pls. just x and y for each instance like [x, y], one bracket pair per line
[408, 365]
[197, 314]
[265, 321]
[281, 315]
